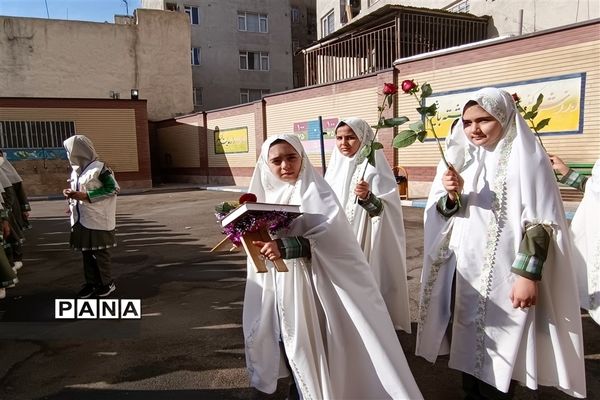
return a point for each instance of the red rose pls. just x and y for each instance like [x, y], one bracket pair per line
[408, 86]
[247, 198]
[516, 97]
[389, 88]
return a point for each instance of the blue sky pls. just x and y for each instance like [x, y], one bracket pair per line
[81, 10]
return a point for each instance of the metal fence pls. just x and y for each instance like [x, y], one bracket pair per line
[407, 34]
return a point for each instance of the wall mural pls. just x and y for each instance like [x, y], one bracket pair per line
[35, 154]
[230, 141]
[308, 132]
[563, 103]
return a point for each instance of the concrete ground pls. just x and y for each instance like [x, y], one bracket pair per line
[188, 344]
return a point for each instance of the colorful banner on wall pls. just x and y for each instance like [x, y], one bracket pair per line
[234, 140]
[563, 103]
[309, 131]
[35, 154]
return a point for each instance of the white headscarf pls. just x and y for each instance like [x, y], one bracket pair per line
[341, 168]
[382, 238]
[323, 307]
[9, 170]
[4, 180]
[80, 151]
[586, 239]
[506, 189]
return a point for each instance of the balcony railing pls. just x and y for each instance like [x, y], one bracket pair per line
[408, 33]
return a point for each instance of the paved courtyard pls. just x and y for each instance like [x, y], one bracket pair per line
[188, 344]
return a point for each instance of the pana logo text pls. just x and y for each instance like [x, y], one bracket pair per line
[97, 309]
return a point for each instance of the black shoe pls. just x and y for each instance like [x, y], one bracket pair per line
[105, 290]
[87, 291]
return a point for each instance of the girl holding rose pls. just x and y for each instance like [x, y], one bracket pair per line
[484, 257]
[369, 196]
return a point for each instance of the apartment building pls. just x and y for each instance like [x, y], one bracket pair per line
[509, 17]
[242, 49]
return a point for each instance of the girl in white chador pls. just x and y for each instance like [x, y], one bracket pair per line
[585, 234]
[509, 321]
[8, 275]
[327, 312]
[18, 206]
[376, 218]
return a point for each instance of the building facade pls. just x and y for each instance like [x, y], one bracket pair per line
[509, 17]
[561, 63]
[241, 50]
[47, 58]
[304, 32]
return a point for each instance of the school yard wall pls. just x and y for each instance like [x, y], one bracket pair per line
[571, 51]
[118, 128]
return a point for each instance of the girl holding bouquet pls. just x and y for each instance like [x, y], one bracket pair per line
[484, 257]
[376, 216]
[325, 318]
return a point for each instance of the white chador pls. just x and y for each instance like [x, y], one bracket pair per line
[382, 237]
[326, 311]
[505, 189]
[586, 236]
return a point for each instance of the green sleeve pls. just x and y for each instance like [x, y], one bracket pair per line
[447, 207]
[372, 204]
[533, 251]
[108, 188]
[293, 247]
[575, 180]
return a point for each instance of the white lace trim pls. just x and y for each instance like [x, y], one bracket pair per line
[494, 106]
[436, 265]
[287, 332]
[594, 277]
[489, 260]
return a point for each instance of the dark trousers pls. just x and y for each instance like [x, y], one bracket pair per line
[96, 267]
[17, 251]
[478, 390]
[14, 252]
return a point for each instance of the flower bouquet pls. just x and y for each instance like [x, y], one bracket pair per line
[246, 221]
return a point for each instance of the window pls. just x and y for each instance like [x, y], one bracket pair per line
[171, 6]
[327, 24]
[197, 96]
[460, 6]
[194, 13]
[254, 60]
[249, 95]
[35, 134]
[251, 22]
[196, 53]
[295, 14]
